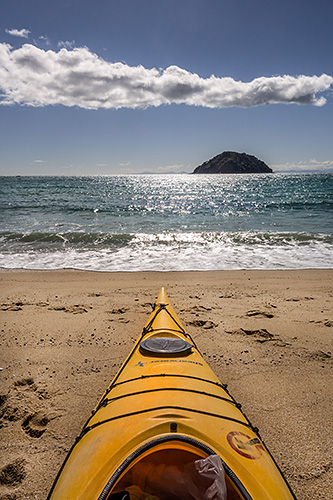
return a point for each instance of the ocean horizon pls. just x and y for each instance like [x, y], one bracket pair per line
[167, 222]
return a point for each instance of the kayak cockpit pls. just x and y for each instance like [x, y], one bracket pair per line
[174, 471]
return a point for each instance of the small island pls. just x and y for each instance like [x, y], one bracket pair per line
[230, 162]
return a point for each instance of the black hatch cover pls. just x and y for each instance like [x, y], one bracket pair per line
[165, 346]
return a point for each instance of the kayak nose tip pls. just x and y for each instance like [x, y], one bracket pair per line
[162, 297]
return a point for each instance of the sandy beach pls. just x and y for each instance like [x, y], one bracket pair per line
[64, 335]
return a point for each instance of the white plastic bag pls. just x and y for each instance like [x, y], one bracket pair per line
[208, 479]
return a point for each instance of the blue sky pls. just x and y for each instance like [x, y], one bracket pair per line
[124, 86]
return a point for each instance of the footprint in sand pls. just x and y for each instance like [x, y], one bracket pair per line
[261, 335]
[264, 314]
[11, 407]
[14, 306]
[35, 424]
[8, 412]
[202, 324]
[75, 309]
[121, 310]
[27, 381]
[320, 355]
[13, 473]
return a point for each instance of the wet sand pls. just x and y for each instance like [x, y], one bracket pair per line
[64, 335]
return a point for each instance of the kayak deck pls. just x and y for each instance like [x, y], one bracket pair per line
[165, 410]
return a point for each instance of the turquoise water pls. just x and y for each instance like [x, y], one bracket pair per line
[167, 222]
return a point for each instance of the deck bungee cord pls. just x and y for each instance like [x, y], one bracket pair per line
[108, 401]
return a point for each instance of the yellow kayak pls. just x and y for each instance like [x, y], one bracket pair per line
[166, 428]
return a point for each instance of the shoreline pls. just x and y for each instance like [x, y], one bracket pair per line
[204, 271]
[65, 334]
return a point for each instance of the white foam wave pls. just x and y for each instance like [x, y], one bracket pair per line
[186, 252]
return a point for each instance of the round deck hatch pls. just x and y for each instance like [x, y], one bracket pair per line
[165, 346]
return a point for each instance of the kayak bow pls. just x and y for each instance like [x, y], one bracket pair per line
[166, 408]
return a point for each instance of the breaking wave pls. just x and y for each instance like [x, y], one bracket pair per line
[166, 251]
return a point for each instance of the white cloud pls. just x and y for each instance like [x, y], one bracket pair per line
[23, 33]
[305, 166]
[77, 77]
[45, 39]
[66, 45]
[172, 168]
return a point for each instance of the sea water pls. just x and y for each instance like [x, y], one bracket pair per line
[167, 222]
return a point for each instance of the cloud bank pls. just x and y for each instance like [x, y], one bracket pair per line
[306, 166]
[77, 77]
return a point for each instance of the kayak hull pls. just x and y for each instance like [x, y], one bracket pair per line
[166, 405]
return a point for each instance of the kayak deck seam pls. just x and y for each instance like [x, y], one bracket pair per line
[157, 408]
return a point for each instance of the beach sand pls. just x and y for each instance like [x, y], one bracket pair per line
[64, 335]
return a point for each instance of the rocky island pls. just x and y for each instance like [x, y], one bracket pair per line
[230, 162]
